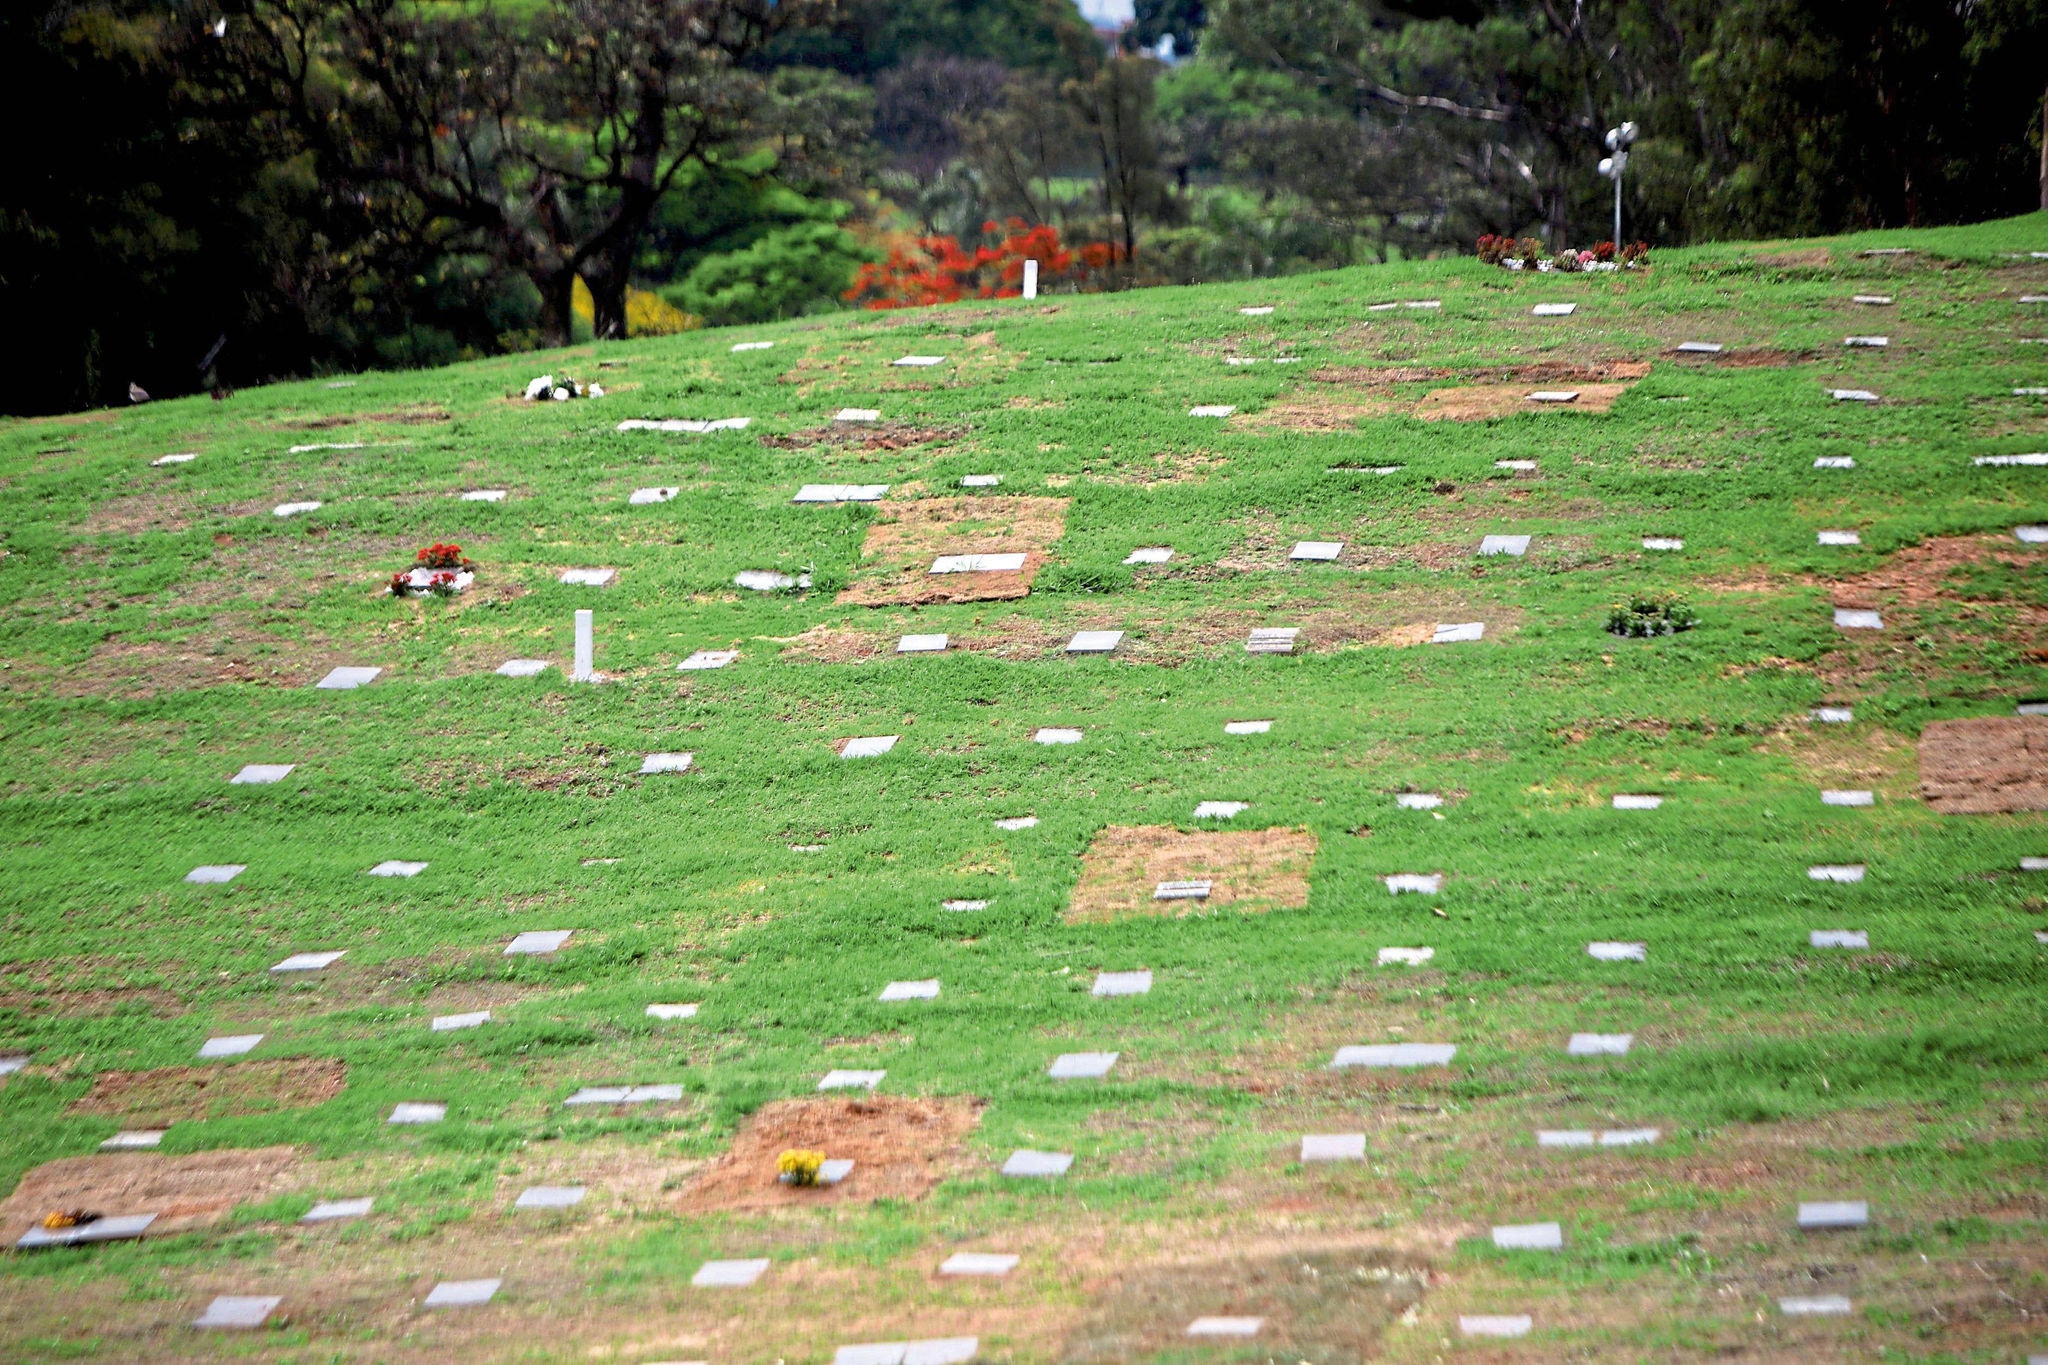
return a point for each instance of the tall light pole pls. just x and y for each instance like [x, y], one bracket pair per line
[1619, 140]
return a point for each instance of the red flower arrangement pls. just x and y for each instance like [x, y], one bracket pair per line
[939, 270]
[440, 569]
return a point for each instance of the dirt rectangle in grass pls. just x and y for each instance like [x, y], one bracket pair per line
[1985, 765]
[1477, 402]
[1252, 870]
[173, 1093]
[906, 537]
[900, 1148]
[182, 1191]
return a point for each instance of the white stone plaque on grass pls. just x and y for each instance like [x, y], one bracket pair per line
[1002, 563]
[1220, 810]
[335, 1210]
[1599, 1044]
[160, 461]
[1848, 798]
[99, 1230]
[751, 346]
[910, 990]
[1629, 1137]
[2033, 708]
[857, 415]
[323, 445]
[1463, 633]
[1834, 715]
[961, 906]
[1257, 312]
[537, 941]
[1094, 641]
[2035, 392]
[1421, 883]
[729, 1274]
[1529, 1237]
[261, 774]
[841, 492]
[484, 495]
[707, 658]
[1071, 1066]
[1637, 802]
[1815, 1306]
[1212, 410]
[978, 1263]
[851, 1080]
[647, 497]
[213, 874]
[1246, 727]
[1844, 873]
[309, 962]
[1272, 640]
[695, 426]
[1051, 734]
[869, 746]
[626, 1094]
[1663, 543]
[1405, 957]
[1554, 396]
[1519, 466]
[2031, 535]
[230, 1045]
[448, 1023]
[1835, 462]
[418, 1111]
[2035, 459]
[549, 1197]
[920, 361]
[461, 1293]
[238, 1310]
[133, 1140]
[346, 679]
[1225, 1327]
[1395, 1055]
[1554, 310]
[1017, 822]
[980, 480]
[2034, 298]
[1839, 538]
[12, 1062]
[921, 644]
[1618, 952]
[1181, 891]
[1852, 395]
[1699, 347]
[588, 578]
[1838, 938]
[1333, 1147]
[1316, 550]
[392, 867]
[1504, 545]
[1829, 1215]
[1494, 1325]
[293, 509]
[1867, 343]
[522, 668]
[1871, 300]
[667, 763]
[1149, 554]
[1564, 1137]
[1029, 1163]
[1122, 983]
[1850, 618]
[672, 1011]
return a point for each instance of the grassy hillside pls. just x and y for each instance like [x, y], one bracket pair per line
[164, 628]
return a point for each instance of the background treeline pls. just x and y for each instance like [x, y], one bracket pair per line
[338, 184]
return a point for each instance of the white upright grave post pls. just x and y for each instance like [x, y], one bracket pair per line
[586, 648]
[1030, 279]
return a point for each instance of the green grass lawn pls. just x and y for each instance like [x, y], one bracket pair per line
[163, 628]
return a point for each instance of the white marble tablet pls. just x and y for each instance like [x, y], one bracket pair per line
[1272, 640]
[133, 1139]
[588, 578]
[1639, 801]
[1220, 810]
[1070, 1066]
[961, 906]
[412, 1111]
[857, 415]
[751, 346]
[1122, 983]
[1839, 538]
[1663, 543]
[1872, 300]
[1052, 734]
[261, 774]
[1848, 798]
[729, 1274]
[980, 480]
[2034, 298]
[1002, 563]
[978, 1263]
[1834, 1214]
[323, 445]
[484, 495]
[1850, 618]
[1554, 310]
[238, 1310]
[869, 746]
[626, 1094]
[1257, 312]
[309, 962]
[1321, 550]
[334, 1210]
[647, 497]
[1836, 872]
[1815, 1306]
[1867, 343]
[1835, 462]
[162, 460]
[1017, 822]
[921, 644]
[1834, 715]
[841, 492]
[667, 763]
[2036, 392]
[686, 424]
[764, 580]
[1406, 957]
[835, 1170]
[1333, 1147]
[1395, 1054]
[549, 1197]
[1193, 890]
[230, 1045]
[1838, 938]
[1700, 347]
[538, 941]
[344, 679]
[851, 1080]
[1494, 1325]
[461, 1293]
[392, 867]
[1599, 1044]
[920, 361]
[1564, 1137]
[707, 658]
[1629, 1137]
[1423, 883]
[1094, 641]
[15, 1061]
[522, 668]
[2033, 708]
[1618, 952]
[1852, 395]
[445, 1023]
[1026, 1162]
[1225, 1327]
[1529, 1237]
[1504, 545]
[1149, 554]
[1519, 466]
[1246, 727]
[1212, 410]
[213, 874]
[2031, 535]
[292, 509]
[101, 1230]
[672, 1011]
[910, 990]
[1459, 634]
[2002, 461]
[1554, 396]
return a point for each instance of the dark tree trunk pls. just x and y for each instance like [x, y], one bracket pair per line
[557, 288]
[2044, 152]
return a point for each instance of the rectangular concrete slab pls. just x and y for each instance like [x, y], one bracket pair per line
[448, 1023]
[1852, 395]
[1225, 1327]
[627, 1094]
[549, 1197]
[1815, 1306]
[1629, 1137]
[418, 1111]
[851, 1080]
[1320, 551]
[1599, 1044]
[1529, 1237]
[1122, 983]
[1405, 957]
[1554, 396]
[868, 746]
[309, 962]
[345, 679]
[729, 1274]
[1333, 1147]
[1663, 543]
[461, 1293]
[1247, 727]
[1494, 1325]
[1272, 640]
[911, 990]
[1554, 310]
[980, 480]
[1838, 938]
[667, 763]
[1835, 462]
[1024, 1162]
[213, 874]
[233, 1045]
[1459, 634]
[1834, 1214]
[1419, 883]
[1637, 802]
[671, 1011]
[841, 492]
[921, 644]
[1219, 810]
[920, 361]
[1838, 537]
[1847, 798]
[1181, 891]
[1094, 641]
[335, 1210]
[1504, 545]
[1212, 410]
[978, 1263]
[1519, 466]
[392, 867]
[522, 668]
[1418, 800]
[857, 415]
[1699, 347]
[1834, 715]
[1051, 734]
[1563, 1137]
[261, 774]
[484, 495]
[1396, 1054]
[1149, 554]
[133, 1140]
[1842, 873]
[1070, 1066]
[1618, 952]
[100, 1230]
[535, 941]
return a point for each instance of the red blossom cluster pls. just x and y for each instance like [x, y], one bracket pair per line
[939, 270]
[442, 556]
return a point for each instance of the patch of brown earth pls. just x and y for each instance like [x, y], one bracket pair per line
[1803, 258]
[182, 1191]
[1985, 765]
[419, 416]
[1478, 402]
[1250, 870]
[1761, 357]
[161, 509]
[900, 1147]
[1546, 372]
[1316, 413]
[905, 537]
[866, 436]
[1926, 572]
[80, 1003]
[148, 668]
[155, 1099]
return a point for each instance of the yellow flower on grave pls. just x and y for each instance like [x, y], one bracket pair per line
[800, 1167]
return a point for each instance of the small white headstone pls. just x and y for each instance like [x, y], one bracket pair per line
[12, 1062]
[1618, 952]
[1867, 343]
[869, 746]
[1017, 822]
[1663, 543]
[449, 1023]
[537, 941]
[133, 1140]
[1494, 1325]
[1872, 300]
[2033, 708]
[1839, 538]
[1319, 550]
[238, 1310]
[959, 906]
[1246, 727]
[522, 668]
[911, 990]
[1629, 1137]
[160, 461]
[1069, 1066]
[2033, 864]
[588, 578]
[232, 1045]
[1529, 1237]
[1563, 1137]
[626, 1094]
[1834, 1214]
[1637, 802]
[549, 1197]
[1460, 634]
[1848, 798]
[980, 480]
[751, 346]
[292, 509]
[1849, 618]
[2034, 459]
[729, 1274]
[416, 1111]
[1219, 810]
[1554, 396]
[841, 492]
[1504, 545]
[920, 361]
[213, 874]
[334, 1210]
[2035, 392]
[1554, 310]
[1333, 1147]
[1257, 312]
[707, 658]
[1836, 872]
[1181, 891]
[1029, 1163]
[1839, 938]
[323, 445]
[309, 962]
[1212, 410]
[1051, 734]
[1852, 395]
[1030, 286]
[461, 1293]
[1395, 1054]
[1149, 554]
[921, 644]
[1406, 957]
[1122, 983]
[1834, 715]
[2031, 535]
[344, 679]
[857, 415]
[1418, 800]
[978, 1263]
[1835, 462]
[1519, 466]
[102, 1230]
[1272, 640]
[1094, 641]
[672, 1011]
[1599, 1044]
[851, 1080]
[667, 763]
[392, 867]
[1226, 1327]
[647, 497]
[1003, 563]
[484, 495]
[1700, 347]
[1815, 1306]
[1424, 883]
[261, 774]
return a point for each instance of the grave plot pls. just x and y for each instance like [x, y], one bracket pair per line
[170, 1094]
[183, 1192]
[1985, 765]
[899, 1147]
[1337, 397]
[907, 539]
[1247, 870]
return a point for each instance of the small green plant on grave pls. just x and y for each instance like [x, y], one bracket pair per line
[1644, 618]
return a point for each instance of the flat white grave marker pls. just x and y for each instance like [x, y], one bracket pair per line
[1867, 343]
[1618, 952]
[1149, 554]
[1529, 1237]
[133, 1140]
[1002, 563]
[1494, 1325]
[1519, 466]
[921, 644]
[1122, 983]
[461, 1293]
[346, 679]
[1637, 802]
[1024, 1162]
[1872, 300]
[1835, 462]
[261, 774]
[960, 906]
[588, 578]
[1504, 545]
[647, 497]
[1460, 634]
[707, 658]
[869, 746]
[1850, 618]
[1834, 715]
[1055, 735]
[1421, 883]
[1848, 798]
[309, 962]
[1212, 410]
[672, 1011]
[1699, 347]
[980, 480]
[768, 580]
[101, 1230]
[293, 509]
[449, 1023]
[1844, 873]
[1181, 891]
[1272, 640]
[238, 1310]
[13, 1062]
[549, 1197]
[1815, 1306]
[418, 1111]
[213, 874]
[522, 668]
[1839, 538]
[667, 763]
[1094, 641]
[1017, 822]
[1599, 1044]
[1838, 938]
[1395, 1054]
[1246, 727]
[232, 1045]
[160, 461]
[695, 425]
[1220, 810]
[1257, 312]
[978, 1263]
[1554, 310]
[1405, 957]
[2004, 461]
[1225, 1327]
[2031, 535]
[1834, 1214]
[334, 1210]
[1852, 395]
[392, 867]
[1070, 1066]
[1554, 396]
[1628, 1137]
[857, 415]
[910, 990]
[535, 941]
[626, 1094]
[751, 346]
[1333, 1147]
[851, 1080]
[841, 492]
[920, 361]
[1316, 550]
[1663, 543]
[484, 495]
[729, 1274]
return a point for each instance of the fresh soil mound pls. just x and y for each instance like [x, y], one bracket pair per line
[1985, 765]
[905, 537]
[182, 1191]
[900, 1148]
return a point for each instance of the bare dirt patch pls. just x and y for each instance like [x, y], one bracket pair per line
[1757, 358]
[157, 509]
[1803, 258]
[906, 537]
[900, 1148]
[69, 1004]
[866, 436]
[1478, 402]
[169, 1094]
[1250, 870]
[1985, 765]
[182, 1191]
[1534, 372]
[1321, 413]
[419, 416]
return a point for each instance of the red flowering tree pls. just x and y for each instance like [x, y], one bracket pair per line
[939, 270]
